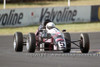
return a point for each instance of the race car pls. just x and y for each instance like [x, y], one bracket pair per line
[50, 38]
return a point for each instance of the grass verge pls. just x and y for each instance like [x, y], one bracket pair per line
[74, 27]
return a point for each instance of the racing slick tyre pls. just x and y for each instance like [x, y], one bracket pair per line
[68, 42]
[84, 43]
[18, 42]
[31, 43]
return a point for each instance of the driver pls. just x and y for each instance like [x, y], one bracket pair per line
[49, 27]
[43, 25]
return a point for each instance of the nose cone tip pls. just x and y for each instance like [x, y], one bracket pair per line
[61, 48]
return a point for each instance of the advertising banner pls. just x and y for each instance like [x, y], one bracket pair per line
[33, 16]
[66, 14]
[17, 17]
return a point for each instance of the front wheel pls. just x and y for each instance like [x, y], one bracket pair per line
[31, 43]
[68, 42]
[84, 43]
[18, 42]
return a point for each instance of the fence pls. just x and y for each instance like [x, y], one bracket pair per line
[33, 16]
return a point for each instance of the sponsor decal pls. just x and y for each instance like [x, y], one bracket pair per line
[95, 13]
[99, 13]
[32, 14]
[59, 15]
[11, 18]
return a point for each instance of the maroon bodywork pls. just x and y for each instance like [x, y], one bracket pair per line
[48, 42]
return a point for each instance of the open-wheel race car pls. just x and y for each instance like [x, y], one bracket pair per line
[50, 38]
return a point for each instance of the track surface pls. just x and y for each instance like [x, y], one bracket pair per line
[9, 58]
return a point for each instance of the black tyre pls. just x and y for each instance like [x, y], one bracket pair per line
[31, 43]
[84, 43]
[68, 42]
[18, 42]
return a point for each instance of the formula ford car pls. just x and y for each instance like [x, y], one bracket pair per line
[51, 39]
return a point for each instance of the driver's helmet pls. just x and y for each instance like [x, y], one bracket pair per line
[45, 22]
[50, 25]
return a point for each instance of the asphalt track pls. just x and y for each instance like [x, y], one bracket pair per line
[9, 58]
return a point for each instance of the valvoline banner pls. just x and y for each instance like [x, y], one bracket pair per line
[17, 17]
[33, 16]
[95, 13]
[66, 14]
[11, 18]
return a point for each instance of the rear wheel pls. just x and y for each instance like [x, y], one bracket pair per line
[68, 42]
[31, 42]
[18, 42]
[84, 43]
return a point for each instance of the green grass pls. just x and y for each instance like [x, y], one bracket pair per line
[75, 27]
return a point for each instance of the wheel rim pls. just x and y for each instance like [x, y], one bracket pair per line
[82, 42]
[27, 46]
[14, 44]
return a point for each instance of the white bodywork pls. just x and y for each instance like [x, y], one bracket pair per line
[59, 40]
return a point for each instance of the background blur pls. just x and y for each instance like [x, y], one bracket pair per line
[46, 3]
[75, 27]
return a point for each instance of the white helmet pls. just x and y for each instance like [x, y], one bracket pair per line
[50, 25]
